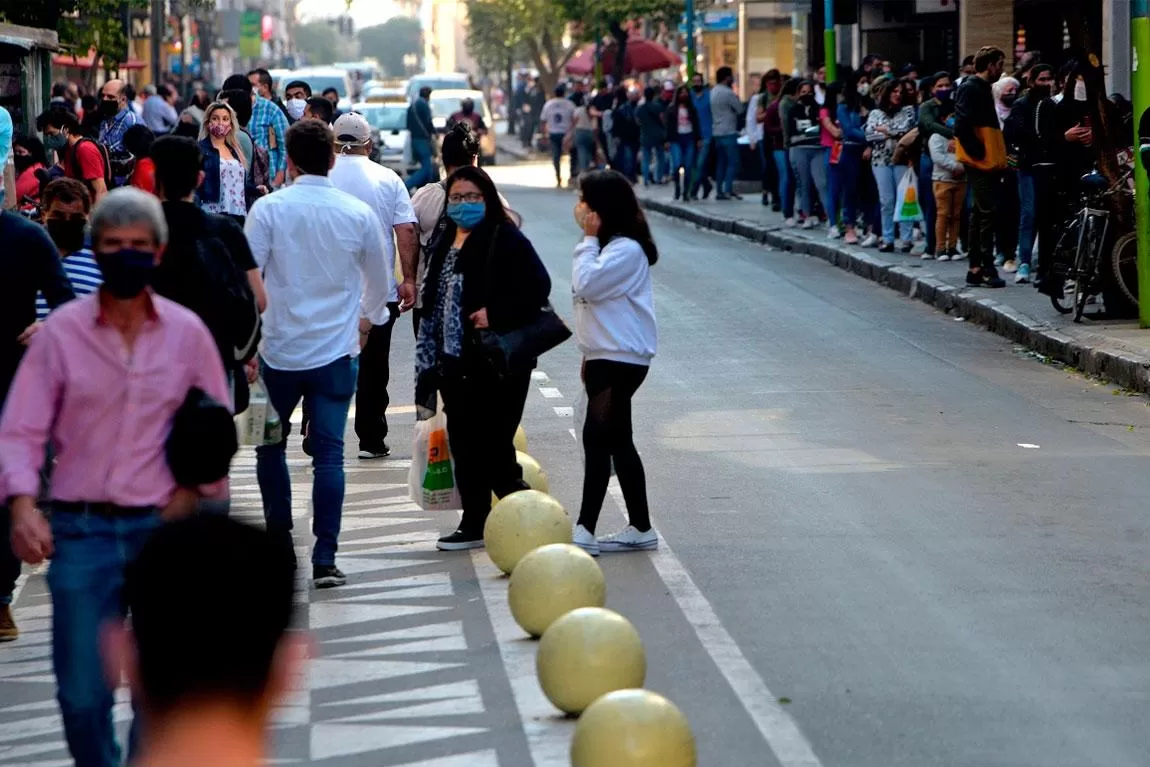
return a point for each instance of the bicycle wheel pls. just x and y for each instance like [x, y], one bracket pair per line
[1124, 262]
[1086, 267]
[1065, 256]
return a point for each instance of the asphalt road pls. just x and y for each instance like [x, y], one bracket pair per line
[893, 539]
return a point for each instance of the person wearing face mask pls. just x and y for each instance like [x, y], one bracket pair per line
[684, 137]
[468, 115]
[267, 123]
[117, 115]
[65, 205]
[102, 382]
[28, 157]
[1005, 91]
[886, 124]
[1032, 134]
[807, 156]
[326, 273]
[701, 97]
[81, 158]
[484, 275]
[932, 115]
[297, 93]
[226, 178]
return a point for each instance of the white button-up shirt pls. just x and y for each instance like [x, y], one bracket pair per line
[382, 190]
[325, 265]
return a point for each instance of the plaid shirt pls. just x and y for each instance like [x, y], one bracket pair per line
[112, 131]
[265, 115]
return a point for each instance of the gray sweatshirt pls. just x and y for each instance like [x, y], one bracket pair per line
[946, 165]
[725, 111]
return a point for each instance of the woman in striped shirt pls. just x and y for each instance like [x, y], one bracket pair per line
[66, 203]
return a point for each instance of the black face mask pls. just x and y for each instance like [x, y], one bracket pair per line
[109, 108]
[128, 272]
[697, 88]
[67, 233]
[1040, 92]
[23, 162]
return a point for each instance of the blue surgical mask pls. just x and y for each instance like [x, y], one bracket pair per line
[55, 142]
[466, 215]
[127, 272]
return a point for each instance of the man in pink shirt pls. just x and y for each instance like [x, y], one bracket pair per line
[101, 382]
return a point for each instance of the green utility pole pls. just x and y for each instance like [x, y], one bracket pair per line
[598, 54]
[830, 45]
[1140, 87]
[690, 34]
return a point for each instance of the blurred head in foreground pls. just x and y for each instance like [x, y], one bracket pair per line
[207, 654]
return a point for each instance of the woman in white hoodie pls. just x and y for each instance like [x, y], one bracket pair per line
[615, 330]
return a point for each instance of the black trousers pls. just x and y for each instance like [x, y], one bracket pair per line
[607, 437]
[483, 412]
[9, 564]
[371, 398]
[985, 187]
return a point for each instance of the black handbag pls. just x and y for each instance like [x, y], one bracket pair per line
[520, 348]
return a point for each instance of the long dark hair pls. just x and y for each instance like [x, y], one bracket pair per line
[690, 102]
[496, 214]
[609, 194]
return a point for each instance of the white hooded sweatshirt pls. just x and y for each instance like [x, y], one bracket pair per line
[614, 306]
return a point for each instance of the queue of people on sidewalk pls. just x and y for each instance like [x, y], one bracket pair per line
[133, 320]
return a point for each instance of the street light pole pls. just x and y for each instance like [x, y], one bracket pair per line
[830, 44]
[1140, 91]
[690, 31]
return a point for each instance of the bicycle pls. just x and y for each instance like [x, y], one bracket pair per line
[1078, 255]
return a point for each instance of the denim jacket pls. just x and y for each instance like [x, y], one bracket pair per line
[852, 124]
[209, 191]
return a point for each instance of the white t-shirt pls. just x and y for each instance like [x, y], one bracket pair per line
[383, 191]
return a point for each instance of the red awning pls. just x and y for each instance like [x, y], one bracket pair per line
[86, 62]
[642, 56]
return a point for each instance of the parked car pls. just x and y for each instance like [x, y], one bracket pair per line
[392, 140]
[445, 103]
[437, 81]
[322, 78]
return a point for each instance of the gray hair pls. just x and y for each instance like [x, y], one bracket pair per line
[129, 206]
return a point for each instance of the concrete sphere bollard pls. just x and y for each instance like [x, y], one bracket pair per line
[550, 582]
[520, 440]
[521, 522]
[588, 653]
[533, 473]
[633, 728]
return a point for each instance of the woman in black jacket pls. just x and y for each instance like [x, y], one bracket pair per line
[483, 275]
[684, 136]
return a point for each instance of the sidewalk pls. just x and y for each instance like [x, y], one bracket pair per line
[1116, 350]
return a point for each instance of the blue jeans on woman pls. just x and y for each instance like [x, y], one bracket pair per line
[683, 159]
[844, 183]
[651, 163]
[810, 163]
[584, 149]
[786, 182]
[887, 177]
[86, 580]
[329, 389]
[1027, 198]
[727, 167]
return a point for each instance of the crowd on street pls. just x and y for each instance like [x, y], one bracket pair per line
[167, 264]
[979, 163]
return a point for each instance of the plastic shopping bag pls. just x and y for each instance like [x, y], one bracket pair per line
[907, 210]
[431, 479]
[260, 424]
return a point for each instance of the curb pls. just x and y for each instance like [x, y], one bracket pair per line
[1104, 359]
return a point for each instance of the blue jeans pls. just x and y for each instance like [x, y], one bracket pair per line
[1027, 200]
[421, 149]
[683, 158]
[844, 183]
[651, 161]
[625, 160]
[887, 178]
[701, 167]
[810, 163]
[585, 149]
[727, 167]
[926, 200]
[329, 390]
[786, 182]
[557, 154]
[86, 580]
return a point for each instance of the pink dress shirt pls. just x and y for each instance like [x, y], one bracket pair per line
[107, 411]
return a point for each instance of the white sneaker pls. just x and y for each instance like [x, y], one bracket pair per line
[833, 233]
[630, 539]
[926, 256]
[870, 240]
[810, 222]
[789, 221]
[585, 540]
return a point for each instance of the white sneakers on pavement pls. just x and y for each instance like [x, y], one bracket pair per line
[630, 539]
[585, 540]
[870, 240]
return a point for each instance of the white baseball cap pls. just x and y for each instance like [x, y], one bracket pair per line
[352, 128]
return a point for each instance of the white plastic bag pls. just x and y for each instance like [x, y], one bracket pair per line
[260, 424]
[907, 209]
[431, 479]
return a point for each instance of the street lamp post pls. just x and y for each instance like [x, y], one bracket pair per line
[1140, 91]
[690, 33]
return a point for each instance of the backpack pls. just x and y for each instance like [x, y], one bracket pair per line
[208, 281]
[105, 157]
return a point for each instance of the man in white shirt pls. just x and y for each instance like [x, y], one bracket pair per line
[326, 271]
[385, 193]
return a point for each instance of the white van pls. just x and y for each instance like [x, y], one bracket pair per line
[322, 78]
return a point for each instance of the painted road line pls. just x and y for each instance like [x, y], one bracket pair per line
[777, 727]
[548, 732]
[550, 392]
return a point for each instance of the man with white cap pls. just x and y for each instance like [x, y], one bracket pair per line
[385, 193]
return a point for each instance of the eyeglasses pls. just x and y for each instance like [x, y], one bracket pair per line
[455, 199]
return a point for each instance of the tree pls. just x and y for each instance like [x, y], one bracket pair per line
[535, 29]
[391, 42]
[597, 18]
[318, 41]
[83, 25]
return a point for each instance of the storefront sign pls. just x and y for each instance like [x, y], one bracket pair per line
[251, 26]
[713, 21]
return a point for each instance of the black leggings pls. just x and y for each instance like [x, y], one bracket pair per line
[606, 436]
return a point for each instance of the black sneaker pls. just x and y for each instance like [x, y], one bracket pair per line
[984, 279]
[460, 540]
[327, 576]
[886, 247]
[721, 197]
[735, 196]
[369, 452]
